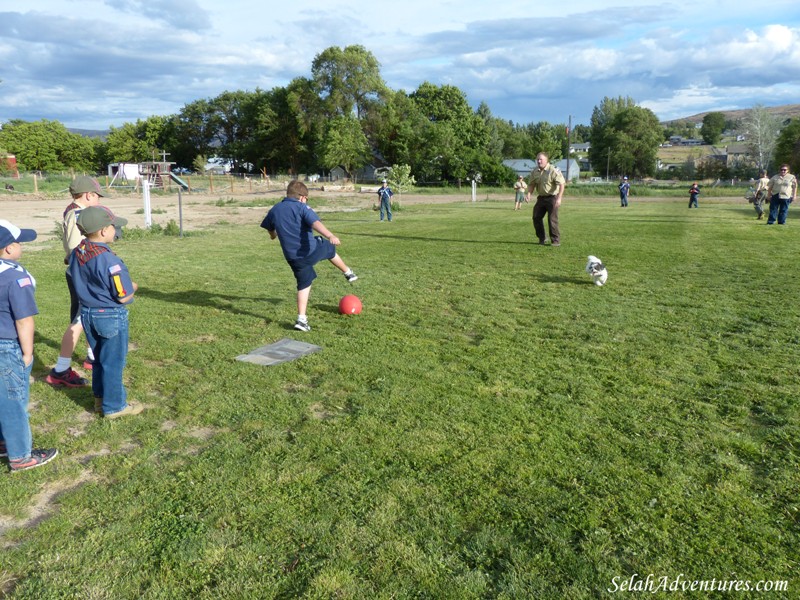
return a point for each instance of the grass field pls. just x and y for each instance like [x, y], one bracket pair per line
[491, 426]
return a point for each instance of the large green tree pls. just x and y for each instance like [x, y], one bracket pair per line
[142, 141]
[48, 146]
[787, 148]
[345, 144]
[395, 128]
[456, 138]
[601, 134]
[635, 134]
[347, 79]
[713, 126]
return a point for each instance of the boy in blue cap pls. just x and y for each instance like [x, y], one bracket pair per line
[294, 223]
[17, 309]
[104, 288]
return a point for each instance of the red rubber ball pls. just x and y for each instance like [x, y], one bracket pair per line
[350, 305]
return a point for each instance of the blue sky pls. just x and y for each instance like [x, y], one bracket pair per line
[99, 63]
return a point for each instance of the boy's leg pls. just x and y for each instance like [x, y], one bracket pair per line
[94, 342]
[70, 340]
[62, 373]
[337, 262]
[15, 428]
[111, 350]
[389, 208]
[302, 300]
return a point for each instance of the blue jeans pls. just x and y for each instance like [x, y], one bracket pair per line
[15, 429]
[107, 332]
[778, 209]
[386, 203]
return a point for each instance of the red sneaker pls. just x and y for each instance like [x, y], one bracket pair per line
[68, 378]
[36, 459]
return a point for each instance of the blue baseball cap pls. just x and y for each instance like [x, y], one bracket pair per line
[10, 233]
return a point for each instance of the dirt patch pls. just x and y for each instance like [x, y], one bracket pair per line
[199, 210]
[41, 504]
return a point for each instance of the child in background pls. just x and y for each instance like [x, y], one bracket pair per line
[694, 192]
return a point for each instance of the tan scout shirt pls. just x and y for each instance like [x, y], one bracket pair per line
[71, 235]
[545, 182]
[783, 185]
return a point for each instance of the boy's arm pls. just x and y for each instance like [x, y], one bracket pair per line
[129, 297]
[323, 231]
[72, 235]
[25, 328]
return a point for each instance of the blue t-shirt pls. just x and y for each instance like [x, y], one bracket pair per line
[292, 221]
[17, 287]
[100, 277]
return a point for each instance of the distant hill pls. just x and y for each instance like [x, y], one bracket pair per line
[90, 133]
[786, 111]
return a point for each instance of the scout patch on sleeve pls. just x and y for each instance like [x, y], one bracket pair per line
[118, 286]
[24, 282]
[114, 269]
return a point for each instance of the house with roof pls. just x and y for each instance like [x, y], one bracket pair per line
[521, 166]
[738, 155]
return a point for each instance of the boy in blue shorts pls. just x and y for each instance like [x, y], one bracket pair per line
[17, 309]
[104, 288]
[294, 223]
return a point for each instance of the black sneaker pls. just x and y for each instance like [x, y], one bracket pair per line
[68, 378]
[351, 277]
[36, 459]
[302, 326]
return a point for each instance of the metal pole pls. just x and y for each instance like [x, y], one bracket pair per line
[180, 211]
[148, 220]
[569, 135]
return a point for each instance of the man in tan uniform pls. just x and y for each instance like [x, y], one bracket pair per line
[548, 183]
[782, 191]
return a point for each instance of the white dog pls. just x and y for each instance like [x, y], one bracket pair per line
[597, 270]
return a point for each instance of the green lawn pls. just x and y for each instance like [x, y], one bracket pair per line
[491, 426]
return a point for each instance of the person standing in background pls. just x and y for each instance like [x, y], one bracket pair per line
[782, 190]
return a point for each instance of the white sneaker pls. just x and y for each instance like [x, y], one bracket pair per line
[302, 326]
[351, 277]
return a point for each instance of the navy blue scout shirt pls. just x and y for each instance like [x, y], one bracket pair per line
[292, 220]
[16, 297]
[100, 277]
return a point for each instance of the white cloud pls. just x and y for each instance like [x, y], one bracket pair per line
[532, 63]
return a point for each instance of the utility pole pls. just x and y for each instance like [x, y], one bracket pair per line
[569, 135]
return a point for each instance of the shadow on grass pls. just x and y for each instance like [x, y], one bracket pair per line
[483, 242]
[206, 299]
[564, 279]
